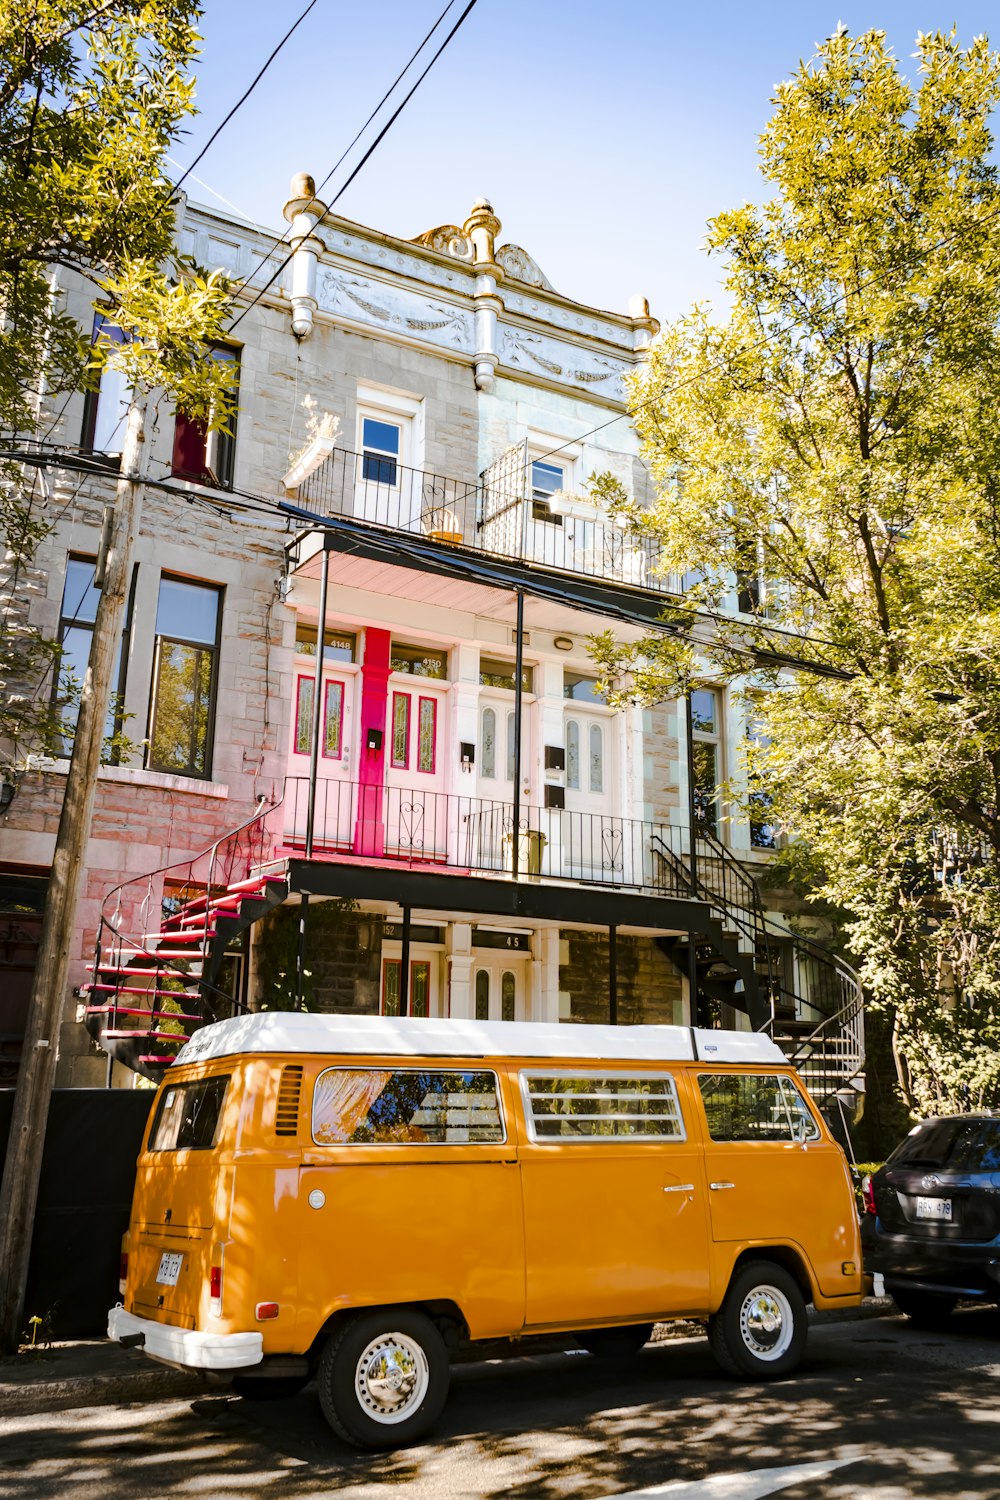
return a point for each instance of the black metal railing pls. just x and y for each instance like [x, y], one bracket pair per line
[566, 534]
[477, 836]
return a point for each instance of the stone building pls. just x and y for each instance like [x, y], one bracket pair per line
[469, 829]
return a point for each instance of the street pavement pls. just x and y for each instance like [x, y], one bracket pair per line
[878, 1409]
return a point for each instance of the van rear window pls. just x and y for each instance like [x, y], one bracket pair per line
[406, 1106]
[188, 1115]
[602, 1106]
[755, 1107]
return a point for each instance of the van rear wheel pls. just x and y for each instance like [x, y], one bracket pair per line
[383, 1378]
[760, 1329]
[615, 1343]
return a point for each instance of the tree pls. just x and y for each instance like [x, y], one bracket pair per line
[91, 95]
[832, 454]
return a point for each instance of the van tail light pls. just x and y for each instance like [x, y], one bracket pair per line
[868, 1195]
[123, 1272]
[215, 1291]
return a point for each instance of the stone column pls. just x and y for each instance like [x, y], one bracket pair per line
[458, 955]
[482, 227]
[304, 211]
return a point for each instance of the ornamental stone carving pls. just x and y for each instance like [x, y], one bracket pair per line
[387, 307]
[448, 239]
[517, 263]
[527, 351]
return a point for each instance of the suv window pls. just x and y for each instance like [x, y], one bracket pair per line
[755, 1107]
[405, 1106]
[602, 1106]
[958, 1145]
[188, 1115]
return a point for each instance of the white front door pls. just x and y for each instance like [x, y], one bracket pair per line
[500, 986]
[417, 805]
[595, 839]
[491, 845]
[333, 826]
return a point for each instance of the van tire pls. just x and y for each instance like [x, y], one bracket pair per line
[615, 1343]
[760, 1329]
[358, 1403]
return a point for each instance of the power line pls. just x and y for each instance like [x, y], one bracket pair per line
[243, 98]
[378, 139]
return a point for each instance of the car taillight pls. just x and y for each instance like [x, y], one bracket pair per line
[215, 1291]
[123, 1271]
[265, 1310]
[868, 1195]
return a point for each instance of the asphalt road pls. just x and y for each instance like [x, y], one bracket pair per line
[878, 1409]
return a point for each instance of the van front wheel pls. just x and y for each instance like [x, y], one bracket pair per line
[760, 1330]
[383, 1378]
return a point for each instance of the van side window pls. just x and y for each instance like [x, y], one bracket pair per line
[755, 1107]
[406, 1106]
[188, 1115]
[602, 1106]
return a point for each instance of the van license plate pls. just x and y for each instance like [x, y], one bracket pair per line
[934, 1208]
[170, 1269]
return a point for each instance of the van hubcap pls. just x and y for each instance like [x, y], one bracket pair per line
[766, 1322]
[391, 1378]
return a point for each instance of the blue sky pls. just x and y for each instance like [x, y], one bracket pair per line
[605, 134]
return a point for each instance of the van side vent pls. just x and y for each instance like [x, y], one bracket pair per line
[286, 1119]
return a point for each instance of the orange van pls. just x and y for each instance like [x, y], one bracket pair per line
[355, 1197]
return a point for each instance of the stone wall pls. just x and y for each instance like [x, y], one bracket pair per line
[343, 959]
[650, 990]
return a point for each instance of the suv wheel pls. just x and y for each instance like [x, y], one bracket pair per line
[383, 1378]
[760, 1329]
[925, 1309]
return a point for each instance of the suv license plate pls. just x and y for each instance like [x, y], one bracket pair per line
[170, 1268]
[934, 1208]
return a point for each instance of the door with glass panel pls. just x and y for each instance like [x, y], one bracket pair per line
[422, 998]
[500, 988]
[490, 829]
[595, 839]
[334, 816]
[416, 801]
[615, 1218]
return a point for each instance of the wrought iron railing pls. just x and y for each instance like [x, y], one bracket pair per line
[497, 516]
[477, 835]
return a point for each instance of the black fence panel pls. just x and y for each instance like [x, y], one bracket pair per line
[84, 1197]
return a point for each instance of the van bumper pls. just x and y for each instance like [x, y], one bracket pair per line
[187, 1348]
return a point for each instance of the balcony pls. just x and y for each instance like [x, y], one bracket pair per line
[475, 836]
[495, 516]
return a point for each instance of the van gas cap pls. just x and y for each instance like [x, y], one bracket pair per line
[316, 1198]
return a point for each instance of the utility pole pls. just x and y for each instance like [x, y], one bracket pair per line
[19, 1194]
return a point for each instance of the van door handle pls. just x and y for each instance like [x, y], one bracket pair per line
[718, 1187]
[680, 1187]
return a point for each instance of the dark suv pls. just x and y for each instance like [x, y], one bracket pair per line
[932, 1217]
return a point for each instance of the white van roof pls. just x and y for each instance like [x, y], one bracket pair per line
[296, 1031]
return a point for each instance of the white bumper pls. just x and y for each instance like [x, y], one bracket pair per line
[186, 1347]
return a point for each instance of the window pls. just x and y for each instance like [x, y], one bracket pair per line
[572, 755]
[208, 456]
[338, 645]
[427, 735]
[501, 674]
[380, 450]
[76, 628]
[582, 689]
[182, 728]
[188, 1115]
[332, 742]
[420, 987]
[596, 758]
[951, 1146]
[482, 994]
[707, 755]
[508, 992]
[602, 1106]
[406, 1106]
[400, 731]
[418, 661]
[488, 743]
[105, 410]
[546, 480]
[755, 1107]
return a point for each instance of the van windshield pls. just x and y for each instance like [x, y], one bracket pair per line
[188, 1115]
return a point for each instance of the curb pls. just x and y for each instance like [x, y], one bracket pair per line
[99, 1390]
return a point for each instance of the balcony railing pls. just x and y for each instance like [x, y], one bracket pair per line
[473, 835]
[496, 516]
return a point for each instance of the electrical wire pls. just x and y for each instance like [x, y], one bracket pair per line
[371, 149]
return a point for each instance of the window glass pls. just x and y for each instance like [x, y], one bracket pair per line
[333, 720]
[511, 742]
[187, 611]
[596, 758]
[303, 716]
[581, 689]
[706, 755]
[406, 1106]
[105, 410]
[391, 971]
[572, 755]
[501, 674]
[79, 611]
[704, 710]
[338, 645]
[426, 734]
[418, 660]
[208, 456]
[564, 1106]
[188, 1115]
[182, 710]
[80, 595]
[482, 995]
[508, 990]
[955, 1145]
[400, 730]
[420, 988]
[546, 479]
[755, 1107]
[488, 744]
[380, 451]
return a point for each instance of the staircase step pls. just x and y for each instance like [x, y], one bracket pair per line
[156, 1058]
[143, 1036]
[178, 936]
[130, 1010]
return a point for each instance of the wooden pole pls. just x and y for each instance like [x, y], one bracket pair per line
[19, 1194]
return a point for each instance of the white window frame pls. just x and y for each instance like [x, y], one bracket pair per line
[631, 1075]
